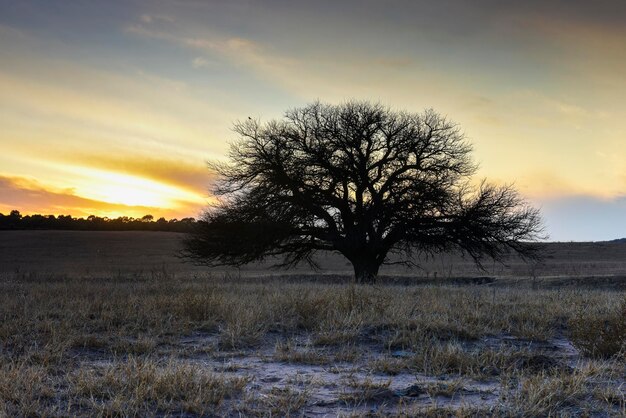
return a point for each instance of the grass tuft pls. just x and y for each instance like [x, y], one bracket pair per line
[600, 334]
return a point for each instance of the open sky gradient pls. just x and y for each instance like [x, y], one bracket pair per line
[112, 107]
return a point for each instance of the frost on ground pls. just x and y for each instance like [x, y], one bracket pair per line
[296, 378]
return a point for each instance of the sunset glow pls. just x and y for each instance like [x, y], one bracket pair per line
[113, 108]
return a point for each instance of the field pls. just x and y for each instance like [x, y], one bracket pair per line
[82, 254]
[114, 324]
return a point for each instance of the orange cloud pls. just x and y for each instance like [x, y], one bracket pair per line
[175, 172]
[29, 196]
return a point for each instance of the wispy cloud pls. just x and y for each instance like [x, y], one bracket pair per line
[200, 62]
[181, 173]
[238, 51]
[91, 103]
[149, 18]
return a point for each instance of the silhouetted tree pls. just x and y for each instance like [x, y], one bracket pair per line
[361, 180]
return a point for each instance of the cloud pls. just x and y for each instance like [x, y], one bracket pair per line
[239, 51]
[608, 14]
[395, 63]
[332, 77]
[29, 196]
[199, 62]
[131, 110]
[181, 173]
[148, 18]
[536, 85]
[571, 217]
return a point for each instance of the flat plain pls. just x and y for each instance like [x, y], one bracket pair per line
[116, 324]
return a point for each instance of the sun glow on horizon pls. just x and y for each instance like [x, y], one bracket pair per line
[119, 188]
[82, 191]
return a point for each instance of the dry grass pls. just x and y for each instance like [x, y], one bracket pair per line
[547, 395]
[447, 389]
[613, 396]
[289, 352]
[283, 401]
[137, 386]
[601, 334]
[113, 346]
[364, 391]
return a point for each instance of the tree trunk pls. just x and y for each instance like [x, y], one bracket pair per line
[365, 270]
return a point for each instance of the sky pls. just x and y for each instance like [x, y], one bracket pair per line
[113, 108]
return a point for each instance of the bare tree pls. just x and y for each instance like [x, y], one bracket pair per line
[361, 180]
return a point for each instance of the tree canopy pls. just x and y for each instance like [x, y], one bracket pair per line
[358, 179]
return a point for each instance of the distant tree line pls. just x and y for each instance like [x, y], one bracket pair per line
[15, 220]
